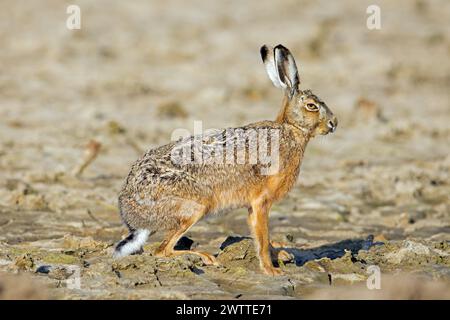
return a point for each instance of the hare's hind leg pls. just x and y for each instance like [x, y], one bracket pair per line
[258, 220]
[166, 249]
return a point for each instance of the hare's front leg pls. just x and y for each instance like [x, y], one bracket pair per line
[258, 220]
[166, 249]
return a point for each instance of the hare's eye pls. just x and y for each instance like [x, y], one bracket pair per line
[311, 107]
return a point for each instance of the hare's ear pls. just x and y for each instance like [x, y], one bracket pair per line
[268, 57]
[286, 69]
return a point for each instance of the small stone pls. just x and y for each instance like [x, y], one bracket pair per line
[380, 238]
[171, 109]
[114, 127]
[24, 262]
[45, 269]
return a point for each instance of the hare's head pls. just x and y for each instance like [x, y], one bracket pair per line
[301, 109]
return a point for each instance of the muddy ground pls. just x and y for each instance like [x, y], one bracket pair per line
[374, 193]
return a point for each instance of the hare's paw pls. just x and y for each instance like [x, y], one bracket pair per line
[208, 259]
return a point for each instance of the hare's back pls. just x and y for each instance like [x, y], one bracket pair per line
[216, 159]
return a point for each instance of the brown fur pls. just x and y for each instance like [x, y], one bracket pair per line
[162, 195]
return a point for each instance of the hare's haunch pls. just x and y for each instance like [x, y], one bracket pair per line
[172, 187]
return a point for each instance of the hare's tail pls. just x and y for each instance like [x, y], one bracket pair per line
[132, 243]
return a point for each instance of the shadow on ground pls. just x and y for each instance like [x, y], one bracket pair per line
[331, 251]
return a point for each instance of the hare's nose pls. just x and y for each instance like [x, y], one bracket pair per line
[332, 124]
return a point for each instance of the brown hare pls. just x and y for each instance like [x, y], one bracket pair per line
[172, 187]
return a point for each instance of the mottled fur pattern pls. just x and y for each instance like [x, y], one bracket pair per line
[211, 187]
[162, 195]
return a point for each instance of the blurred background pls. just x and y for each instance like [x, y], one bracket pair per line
[137, 70]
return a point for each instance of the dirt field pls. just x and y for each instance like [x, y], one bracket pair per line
[139, 69]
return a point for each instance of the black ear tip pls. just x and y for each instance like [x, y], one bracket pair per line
[280, 46]
[264, 51]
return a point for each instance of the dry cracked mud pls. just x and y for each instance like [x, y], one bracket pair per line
[375, 193]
